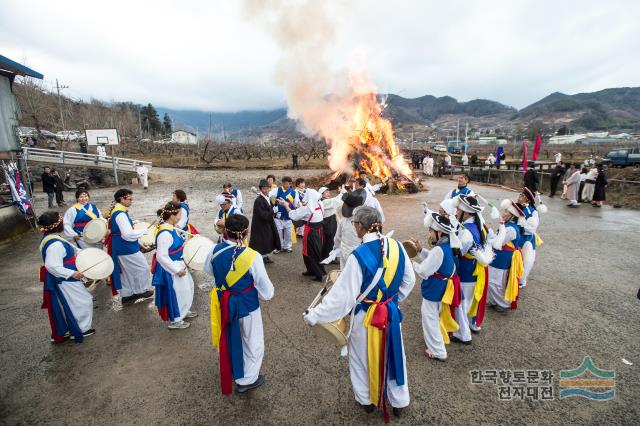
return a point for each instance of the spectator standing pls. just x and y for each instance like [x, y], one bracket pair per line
[583, 177]
[48, 185]
[556, 175]
[294, 161]
[599, 191]
[589, 184]
[531, 180]
[572, 183]
[59, 188]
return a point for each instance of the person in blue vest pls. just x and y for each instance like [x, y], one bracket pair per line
[171, 278]
[283, 222]
[462, 188]
[180, 197]
[236, 321]
[235, 195]
[67, 301]
[77, 217]
[507, 268]
[227, 209]
[131, 278]
[475, 256]
[529, 236]
[311, 213]
[376, 278]
[437, 268]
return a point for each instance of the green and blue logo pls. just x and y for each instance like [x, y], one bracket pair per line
[588, 381]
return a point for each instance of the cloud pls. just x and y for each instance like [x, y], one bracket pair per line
[207, 55]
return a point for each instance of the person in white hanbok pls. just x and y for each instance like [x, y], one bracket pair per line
[68, 302]
[350, 292]
[346, 239]
[131, 278]
[77, 217]
[173, 282]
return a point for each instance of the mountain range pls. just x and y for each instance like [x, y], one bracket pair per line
[608, 109]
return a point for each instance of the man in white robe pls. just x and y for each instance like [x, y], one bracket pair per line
[343, 297]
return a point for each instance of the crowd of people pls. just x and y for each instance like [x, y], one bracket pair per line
[464, 267]
[581, 183]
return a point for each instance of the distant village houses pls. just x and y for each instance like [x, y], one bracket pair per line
[183, 136]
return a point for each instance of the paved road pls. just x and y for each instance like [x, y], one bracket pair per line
[580, 302]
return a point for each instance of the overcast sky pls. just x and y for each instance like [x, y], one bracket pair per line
[205, 55]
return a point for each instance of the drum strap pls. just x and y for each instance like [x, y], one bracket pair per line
[359, 300]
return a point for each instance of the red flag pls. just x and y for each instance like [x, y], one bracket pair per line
[524, 155]
[536, 149]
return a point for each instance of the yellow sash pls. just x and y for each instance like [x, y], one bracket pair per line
[447, 323]
[161, 228]
[118, 208]
[539, 241]
[479, 289]
[515, 273]
[239, 268]
[50, 237]
[374, 334]
[294, 238]
[88, 211]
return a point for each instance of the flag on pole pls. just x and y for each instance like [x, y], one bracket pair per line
[536, 148]
[18, 192]
[524, 155]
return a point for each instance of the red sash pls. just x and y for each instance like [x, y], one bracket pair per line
[307, 231]
[154, 261]
[226, 376]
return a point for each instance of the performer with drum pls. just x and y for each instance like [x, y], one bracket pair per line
[236, 322]
[131, 277]
[78, 216]
[171, 278]
[68, 302]
[378, 275]
[180, 197]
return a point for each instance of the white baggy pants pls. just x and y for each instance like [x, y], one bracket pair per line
[135, 274]
[284, 230]
[398, 396]
[462, 312]
[497, 287]
[252, 346]
[80, 301]
[431, 328]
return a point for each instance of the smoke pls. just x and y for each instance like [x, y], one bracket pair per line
[335, 104]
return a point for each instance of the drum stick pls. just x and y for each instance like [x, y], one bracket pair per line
[93, 266]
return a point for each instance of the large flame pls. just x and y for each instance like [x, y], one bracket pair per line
[359, 138]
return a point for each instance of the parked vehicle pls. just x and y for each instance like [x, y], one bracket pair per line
[623, 157]
[68, 135]
[74, 184]
[439, 148]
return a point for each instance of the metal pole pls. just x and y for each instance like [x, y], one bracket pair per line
[58, 87]
[113, 163]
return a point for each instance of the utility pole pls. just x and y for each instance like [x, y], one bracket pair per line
[58, 87]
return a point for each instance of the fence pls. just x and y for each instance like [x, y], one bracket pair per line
[71, 158]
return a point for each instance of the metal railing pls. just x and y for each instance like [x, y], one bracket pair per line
[80, 159]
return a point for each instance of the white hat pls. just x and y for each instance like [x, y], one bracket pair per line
[469, 204]
[515, 209]
[440, 223]
[321, 190]
[221, 199]
[450, 205]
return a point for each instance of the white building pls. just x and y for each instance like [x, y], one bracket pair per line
[183, 136]
[565, 140]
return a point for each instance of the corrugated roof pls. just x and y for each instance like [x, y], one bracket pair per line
[15, 68]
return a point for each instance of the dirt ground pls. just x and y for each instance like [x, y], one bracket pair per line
[580, 301]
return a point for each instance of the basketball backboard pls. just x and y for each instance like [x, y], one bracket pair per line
[102, 136]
